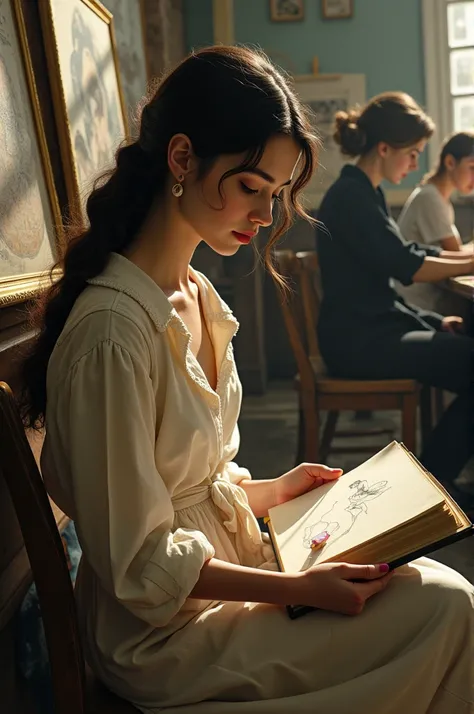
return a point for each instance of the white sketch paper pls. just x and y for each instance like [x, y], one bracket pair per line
[341, 517]
[386, 490]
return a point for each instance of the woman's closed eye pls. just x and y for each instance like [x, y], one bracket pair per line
[247, 189]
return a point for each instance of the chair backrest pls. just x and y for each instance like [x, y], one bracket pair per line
[299, 308]
[311, 292]
[47, 558]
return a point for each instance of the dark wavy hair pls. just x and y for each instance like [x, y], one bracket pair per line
[227, 100]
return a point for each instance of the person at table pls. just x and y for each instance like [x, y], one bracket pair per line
[428, 215]
[366, 330]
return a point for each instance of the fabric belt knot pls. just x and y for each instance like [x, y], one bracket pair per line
[233, 503]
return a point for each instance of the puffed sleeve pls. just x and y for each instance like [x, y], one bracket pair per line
[123, 511]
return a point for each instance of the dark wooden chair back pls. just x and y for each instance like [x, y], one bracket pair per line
[311, 293]
[47, 558]
[294, 315]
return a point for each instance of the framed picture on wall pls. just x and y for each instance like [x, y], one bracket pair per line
[129, 26]
[286, 10]
[30, 219]
[337, 9]
[326, 96]
[87, 94]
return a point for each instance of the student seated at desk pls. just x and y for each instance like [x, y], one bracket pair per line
[180, 603]
[366, 329]
[428, 215]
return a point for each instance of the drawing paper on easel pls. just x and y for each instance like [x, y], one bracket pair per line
[325, 95]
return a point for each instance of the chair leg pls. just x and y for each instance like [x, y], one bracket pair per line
[311, 428]
[409, 405]
[301, 433]
[328, 435]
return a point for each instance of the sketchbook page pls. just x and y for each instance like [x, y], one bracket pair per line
[380, 494]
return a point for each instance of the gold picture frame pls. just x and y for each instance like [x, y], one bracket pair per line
[88, 100]
[286, 10]
[129, 21]
[30, 217]
[337, 9]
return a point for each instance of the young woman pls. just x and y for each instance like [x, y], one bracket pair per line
[428, 215]
[366, 329]
[179, 597]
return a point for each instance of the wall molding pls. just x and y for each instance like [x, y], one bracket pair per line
[223, 22]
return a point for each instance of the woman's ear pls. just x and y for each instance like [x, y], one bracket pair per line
[382, 149]
[181, 158]
[450, 162]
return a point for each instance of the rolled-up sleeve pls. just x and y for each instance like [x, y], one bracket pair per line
[124, 514]
[377, 241]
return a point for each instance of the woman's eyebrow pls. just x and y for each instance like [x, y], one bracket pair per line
[267, 177]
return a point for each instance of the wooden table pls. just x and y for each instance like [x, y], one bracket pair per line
[458, 299]
[463, 285]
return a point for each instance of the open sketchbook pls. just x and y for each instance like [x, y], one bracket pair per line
[387, 510]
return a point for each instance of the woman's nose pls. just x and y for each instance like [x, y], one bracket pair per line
[263, 215]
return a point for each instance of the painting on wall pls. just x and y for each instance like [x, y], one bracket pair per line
[88, 101]
[129, 25]
[337, 9]
[326, 96]
[286, 10]
[29, 213]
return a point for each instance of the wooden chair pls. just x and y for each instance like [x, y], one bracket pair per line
[317, 391]
[75, 689]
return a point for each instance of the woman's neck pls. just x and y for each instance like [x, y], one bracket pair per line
[444, 185]
[371, 167]
[164, 248]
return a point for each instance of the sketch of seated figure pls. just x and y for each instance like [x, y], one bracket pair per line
[341, 517]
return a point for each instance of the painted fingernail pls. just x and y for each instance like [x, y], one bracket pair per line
[384, 568]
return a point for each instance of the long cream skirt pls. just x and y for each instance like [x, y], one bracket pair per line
[411, 651]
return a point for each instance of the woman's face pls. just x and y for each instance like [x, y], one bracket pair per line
[398, 163]
[233, 218]
[462, 175]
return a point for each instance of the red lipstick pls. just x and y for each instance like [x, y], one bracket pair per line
[244, 238]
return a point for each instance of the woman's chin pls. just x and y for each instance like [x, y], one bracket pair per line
[225, 249]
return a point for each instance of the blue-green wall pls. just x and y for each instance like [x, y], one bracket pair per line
[383, 41]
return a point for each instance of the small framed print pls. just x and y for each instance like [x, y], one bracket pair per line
[337, 9]
[286, 10]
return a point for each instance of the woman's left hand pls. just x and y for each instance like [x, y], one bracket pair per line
[301, 479]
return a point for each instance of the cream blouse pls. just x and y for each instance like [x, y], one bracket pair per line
[138, 452]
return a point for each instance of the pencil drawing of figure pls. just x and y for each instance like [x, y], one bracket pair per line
[341, 517]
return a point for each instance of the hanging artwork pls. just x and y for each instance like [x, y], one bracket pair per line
[129, 25]
[286, 10]
[337, 9]
[29, 211]
[325, 95]
[82, 60]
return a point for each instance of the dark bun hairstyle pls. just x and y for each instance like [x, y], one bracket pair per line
[393, 117]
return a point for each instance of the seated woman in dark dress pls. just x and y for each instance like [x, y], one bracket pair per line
[366, 330]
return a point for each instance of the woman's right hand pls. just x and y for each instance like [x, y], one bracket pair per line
[341, 587]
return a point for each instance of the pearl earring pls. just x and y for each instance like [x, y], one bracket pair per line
[178, 189]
